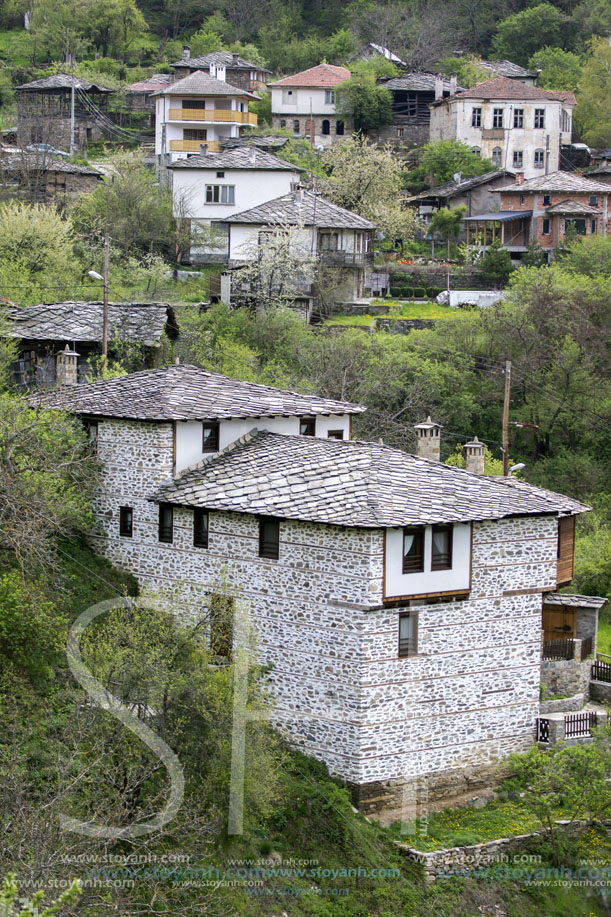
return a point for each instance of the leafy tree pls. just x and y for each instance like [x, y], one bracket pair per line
[534, 256]
[590, 18]
[496, 265]
[440, 160]
[366, 103]
[560, 70]
[468, 70]
[522, 34]
[593, 110]
[447, 223]
[593, 549]
[13, 906]
[587, 255]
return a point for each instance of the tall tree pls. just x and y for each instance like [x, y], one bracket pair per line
[559, 69]
[593, 111]
[519, 36]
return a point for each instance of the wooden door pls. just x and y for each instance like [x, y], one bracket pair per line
[558, 623]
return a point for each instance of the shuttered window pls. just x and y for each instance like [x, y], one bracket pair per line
[166, 523]
[566, 550]
[269, 538]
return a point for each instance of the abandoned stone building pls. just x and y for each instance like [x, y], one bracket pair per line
[42, 178]
[411, 116]
[223, 65]
[44, 109]
[397, 601]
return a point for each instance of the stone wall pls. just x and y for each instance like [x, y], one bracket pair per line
[565, 677]
[442, 718]
[600, 691]
[403, 325]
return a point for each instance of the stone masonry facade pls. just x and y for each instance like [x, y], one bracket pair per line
[342, 694]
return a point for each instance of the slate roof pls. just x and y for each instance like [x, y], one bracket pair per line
[81, 322]
[263, 143]
[601, 170]
[575, 601]
[301, 208]
[416, 82]
[505, 68]
[345, 483]
[187, 393]
[452, 188]
[151, 83]
[202, 84]
[574, 207]
[503, 88]
[241, 157]
[224, 58]
[42, 162]
[62, 81]
[323, 76]
[559, 182]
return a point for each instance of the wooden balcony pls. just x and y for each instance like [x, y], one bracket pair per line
[193, 146]
[213, 115]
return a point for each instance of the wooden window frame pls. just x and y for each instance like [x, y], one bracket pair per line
[497, 118]
[126, 521]
[405, 648]
[335, 434]
[544, 231]
[214, 426]
[309, 423]
[199, 541]
[476, 116]
[518, 117]
[165, 532]
[419, 534]
[539, 122]
[445, 565]
[269, 549]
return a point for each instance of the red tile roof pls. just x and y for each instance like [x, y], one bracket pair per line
[322, 76]
[504, 88]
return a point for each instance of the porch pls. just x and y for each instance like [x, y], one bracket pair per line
[511, 228]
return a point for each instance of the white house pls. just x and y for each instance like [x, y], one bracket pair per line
[397, 601]
[518, 126]
[199, 110]
[305, 104]
[211, 187]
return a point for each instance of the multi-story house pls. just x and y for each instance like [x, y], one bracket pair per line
[543, 209]
[305, 104]
[397, 601]
[197, 111]
[209, 188]
[517, 126]
[223, 65]
[44, 112]
[412, 94]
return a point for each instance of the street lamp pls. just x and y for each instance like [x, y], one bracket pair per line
[104, 279]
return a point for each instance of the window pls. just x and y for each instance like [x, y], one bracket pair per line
[593, 226]
[190, 133]
[91, 432]
[210, 437]
[476, 117]
[441, 558]
[221, 608]
[522, 199]
[326, 127]
[547, 200]
[282, 122]
[408, 633]
[166, 523]
[220, 175]
[335, 434]
[565, 121]
[339, 129]
[518, 117]
[126, 521]
[269, 538]
[329, 97]
[220, 194]
[579, 225]
[539, 159]
[307, 426]
[194, 104]
[329, 241]
[497, 117]
[518, 159]
[289, 97]
[593, 200]
[400, 132]
[477, 150]
[413, 550]
[295, 127]
[545, 226]
[200, 528]
[539, 118]
[497, 156]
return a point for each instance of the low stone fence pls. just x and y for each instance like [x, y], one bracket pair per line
[562, 704]
[600, 692]
[403, 325]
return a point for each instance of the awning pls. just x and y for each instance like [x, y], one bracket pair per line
[502, 216]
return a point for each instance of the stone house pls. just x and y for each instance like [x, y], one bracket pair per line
[56, 341]
[210, 187]
[542, 209]
[305, 104]
[223, 65]
[517, 126]
[199, 111]
[412, 94]
[397, 601]
[507, 69]
[44, 112]
[477, 194]
[338, 239]
[42, 178]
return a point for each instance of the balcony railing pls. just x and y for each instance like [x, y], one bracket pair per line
[346, 258]
[193, 146]
[213, 114]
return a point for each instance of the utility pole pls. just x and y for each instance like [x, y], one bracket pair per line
[72, 118]
[105, 315]
[506, 417]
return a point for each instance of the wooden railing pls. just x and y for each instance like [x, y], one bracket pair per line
[577, 725]
[193, 146]
[559, 649]
[213, 114]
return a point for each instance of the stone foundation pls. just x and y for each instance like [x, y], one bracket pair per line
[565, 677]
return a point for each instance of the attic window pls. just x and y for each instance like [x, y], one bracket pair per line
[269, 538]
[220, 175]
[307, 426]
[335, 434]
[210, 436]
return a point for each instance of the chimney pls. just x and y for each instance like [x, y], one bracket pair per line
[186, 52]
[475, 454]
[453, 83]
[438, 87]
[428, 440]
[519, 178]
[236, 57]
[203, 149]
[66, 367]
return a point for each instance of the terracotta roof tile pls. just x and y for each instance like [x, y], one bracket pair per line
[504, 88]
[561, 182]
[322, 76]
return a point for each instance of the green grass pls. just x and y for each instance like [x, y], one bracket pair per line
[399, 309]
[16, 47]
[603, 644]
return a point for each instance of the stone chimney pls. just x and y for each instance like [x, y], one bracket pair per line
[66, 368]
[475, 454]
[236, 57]
[453, 83]
[186, 52]
[519, 178]
[428, 440]
[203, 149]
[438, 87]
